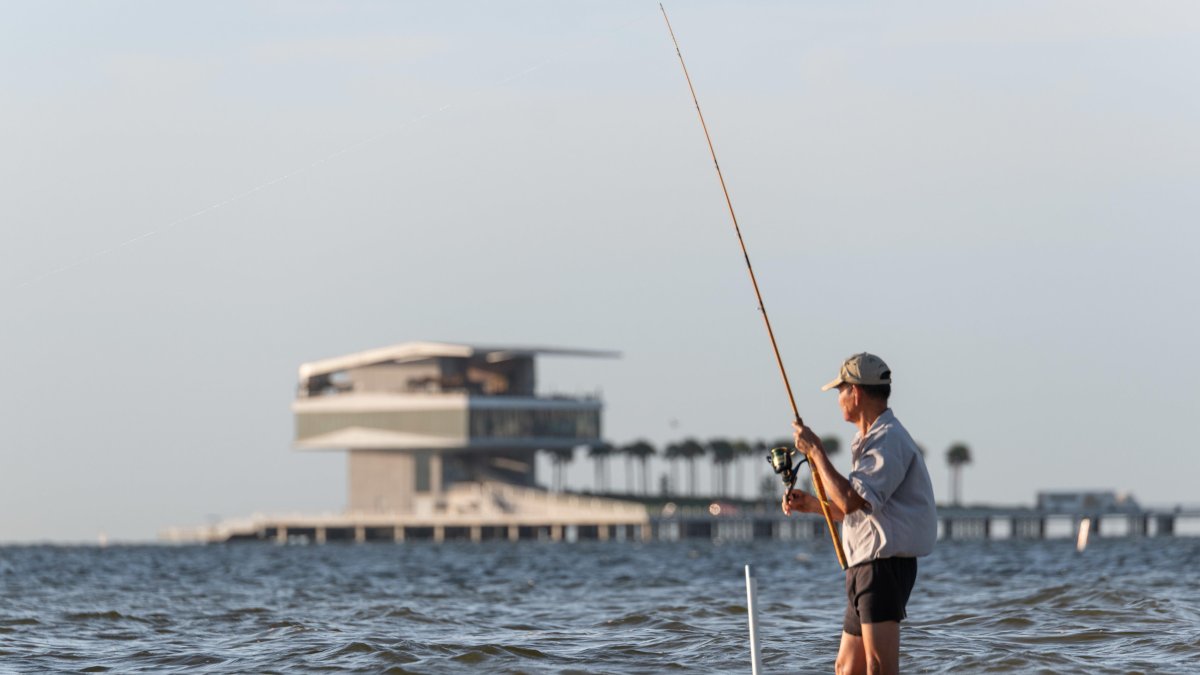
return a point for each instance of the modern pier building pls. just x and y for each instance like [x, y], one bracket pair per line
[417, 418]
[440, 441]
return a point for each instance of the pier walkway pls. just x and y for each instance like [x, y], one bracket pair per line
[497, 511]
[474, 512]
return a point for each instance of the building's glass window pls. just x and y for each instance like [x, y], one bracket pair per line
[421, 479]
[535, 423]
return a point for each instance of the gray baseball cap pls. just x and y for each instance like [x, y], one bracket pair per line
[862, 368]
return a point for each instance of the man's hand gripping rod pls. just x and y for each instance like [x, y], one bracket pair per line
[818, 486]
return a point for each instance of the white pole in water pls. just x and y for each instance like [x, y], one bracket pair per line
[1085, 527]
[752, 610]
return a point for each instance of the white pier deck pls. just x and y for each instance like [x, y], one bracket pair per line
[474, 511]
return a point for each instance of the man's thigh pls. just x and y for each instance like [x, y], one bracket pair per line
[881, 647]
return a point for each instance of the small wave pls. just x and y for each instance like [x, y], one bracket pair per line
[635, 619]
[410, 615]
[355, 648]
[957, 619]
[474, 656]
[481, 653]
[244, 612]
[118, 636]
[1065, 638]
[286, 624]
[110, 615]
[189, 660]
[677, 626]
[1044, 595]
[524, 652]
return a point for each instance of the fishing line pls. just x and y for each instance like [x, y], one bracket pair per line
[776, 459]
[101, 253]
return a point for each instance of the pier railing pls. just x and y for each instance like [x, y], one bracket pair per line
[953, 523]
[484, 511]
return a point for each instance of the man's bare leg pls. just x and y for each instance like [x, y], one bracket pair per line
[851, 659]
[881, 645]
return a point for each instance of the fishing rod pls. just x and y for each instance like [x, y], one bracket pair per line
[780, 458]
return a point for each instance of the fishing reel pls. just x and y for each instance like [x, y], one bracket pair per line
[780, 460]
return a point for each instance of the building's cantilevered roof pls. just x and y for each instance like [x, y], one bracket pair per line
[364, 438]
[415, 351]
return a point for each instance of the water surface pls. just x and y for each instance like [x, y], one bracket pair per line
[1124, 606]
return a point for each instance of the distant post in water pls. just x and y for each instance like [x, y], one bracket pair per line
[752, 612]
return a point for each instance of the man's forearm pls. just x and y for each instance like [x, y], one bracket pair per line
[837, 488]
[813, 505]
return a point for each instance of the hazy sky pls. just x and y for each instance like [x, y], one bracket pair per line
[992, 196]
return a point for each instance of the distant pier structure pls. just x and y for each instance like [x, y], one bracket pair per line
[441, 440]
[417, 418]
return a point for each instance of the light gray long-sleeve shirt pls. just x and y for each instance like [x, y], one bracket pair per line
[888, 471]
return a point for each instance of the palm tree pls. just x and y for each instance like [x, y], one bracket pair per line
[741, 449]
[763, 452]
[690, 449]
[723, 454]
[560, 457]
[599, 453]
[628, 469]
[672, 452]
[768, 488]
[641, 450]
[832, 444]
[958, 455]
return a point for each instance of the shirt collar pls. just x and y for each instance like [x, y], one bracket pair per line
[885, 417]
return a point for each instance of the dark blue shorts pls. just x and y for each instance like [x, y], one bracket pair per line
[877, 591]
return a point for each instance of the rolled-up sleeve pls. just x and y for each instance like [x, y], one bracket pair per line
[877, 473]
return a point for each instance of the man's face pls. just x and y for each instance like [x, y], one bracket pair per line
[848, 400]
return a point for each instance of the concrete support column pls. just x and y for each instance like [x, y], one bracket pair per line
[1165, 525]
[556, 532]
[987, 528]
[398, 533]
[514, 533]
[476, 533]
[439, 533]
[602, 532]
[281, 534]
[360, 534]
[319, 536]
[645, 531]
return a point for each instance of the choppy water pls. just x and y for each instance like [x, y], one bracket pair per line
[1127, 605]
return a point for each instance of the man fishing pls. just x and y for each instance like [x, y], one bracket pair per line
[887, 510]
